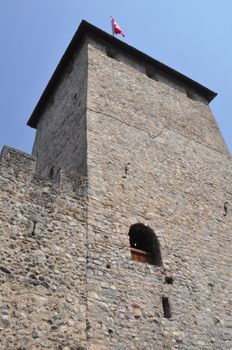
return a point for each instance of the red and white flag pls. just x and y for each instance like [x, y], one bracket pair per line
[115, 27]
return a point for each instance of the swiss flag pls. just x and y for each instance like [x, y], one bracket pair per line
[115, 28]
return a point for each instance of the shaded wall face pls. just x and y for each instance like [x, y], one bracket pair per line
[156, 157]
[61, 132]
[43, 254]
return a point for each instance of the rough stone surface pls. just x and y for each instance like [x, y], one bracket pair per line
[61, 133]
[149, 154]
[43, 257]
[178, 178]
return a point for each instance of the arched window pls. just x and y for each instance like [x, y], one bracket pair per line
[144, 245]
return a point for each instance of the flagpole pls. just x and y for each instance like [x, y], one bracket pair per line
[112, 28]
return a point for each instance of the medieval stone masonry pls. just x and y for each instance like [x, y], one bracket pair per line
[116, 232]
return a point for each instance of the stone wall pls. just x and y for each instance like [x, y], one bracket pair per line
[155, 156]
[43, 258]
[61, 132]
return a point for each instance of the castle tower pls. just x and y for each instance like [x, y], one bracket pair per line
[116, 232]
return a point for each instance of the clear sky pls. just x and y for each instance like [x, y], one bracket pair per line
[191, 36]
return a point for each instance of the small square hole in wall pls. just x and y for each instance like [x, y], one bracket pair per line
[166, 307]
[191, 94]
[169, 279]
[111, 53]
[150, 73]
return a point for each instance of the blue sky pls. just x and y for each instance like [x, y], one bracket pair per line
[191, 36]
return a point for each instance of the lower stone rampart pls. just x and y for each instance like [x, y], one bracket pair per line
[43, 257]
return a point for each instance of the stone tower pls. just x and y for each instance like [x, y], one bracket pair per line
[116, 232]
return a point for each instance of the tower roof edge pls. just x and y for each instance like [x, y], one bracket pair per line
[86, 29]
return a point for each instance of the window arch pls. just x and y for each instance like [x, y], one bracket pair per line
[144, 245]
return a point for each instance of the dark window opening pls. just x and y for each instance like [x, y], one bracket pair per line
[51, 172]
[110, 331]
[111, 53]
[169, 280]
[166, 307]
[150, 73]
[144, 245]
[190, 94]
[33, 228]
